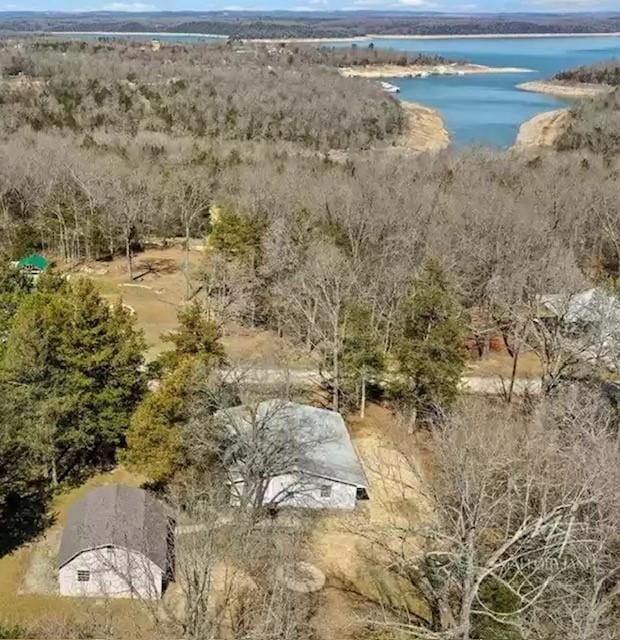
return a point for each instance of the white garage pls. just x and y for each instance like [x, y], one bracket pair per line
[116, 543]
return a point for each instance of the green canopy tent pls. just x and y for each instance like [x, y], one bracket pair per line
[34, 263]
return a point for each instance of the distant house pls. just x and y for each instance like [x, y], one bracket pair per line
[313, 461]
[593, 318]
[34, 264]
[116, 543]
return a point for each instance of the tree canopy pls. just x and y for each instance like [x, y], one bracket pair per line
[430, 346]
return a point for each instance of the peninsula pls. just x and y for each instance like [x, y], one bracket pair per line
[423, 70]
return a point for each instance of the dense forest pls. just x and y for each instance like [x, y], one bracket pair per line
[388, 270]
[314, 24]
[594, 124]
[209, 91]
[364, 55]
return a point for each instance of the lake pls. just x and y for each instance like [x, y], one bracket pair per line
[488, 108]
[483, 108]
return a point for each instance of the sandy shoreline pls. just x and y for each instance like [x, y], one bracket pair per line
[543, 130]
[566, 89]
[418, 70]
[426, 130]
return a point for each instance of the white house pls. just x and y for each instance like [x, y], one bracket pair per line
[115, 544]
[593, 319]
[305, 453]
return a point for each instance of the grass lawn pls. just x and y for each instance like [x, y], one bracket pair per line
[499, 363]
[156, 297]
[48, 616]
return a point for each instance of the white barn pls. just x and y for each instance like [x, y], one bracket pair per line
[316, 465]
[115, 544]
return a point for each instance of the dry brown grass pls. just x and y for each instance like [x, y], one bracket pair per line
[499, 363]
[340, 545]
[157, 295]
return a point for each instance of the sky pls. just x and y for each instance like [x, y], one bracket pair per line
[464, 6]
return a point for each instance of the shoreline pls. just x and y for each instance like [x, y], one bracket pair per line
[422, 71]
[426, 129]
[569, 90]
[482, 36]
[542, 130]
[370, 36]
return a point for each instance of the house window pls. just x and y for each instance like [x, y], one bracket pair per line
[326, 490]
[83, 575]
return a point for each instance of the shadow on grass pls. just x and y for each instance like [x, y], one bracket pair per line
[158, 266]
[24, 516]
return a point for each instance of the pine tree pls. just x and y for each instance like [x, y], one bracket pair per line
[430, 348]
[154, 444]
[235, 235]
[80, 362]
[24, 484]
[153, 438]
[362, 357]
[197, 337]
[14, 287]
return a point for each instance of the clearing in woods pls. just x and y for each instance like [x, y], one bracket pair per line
[159, 290]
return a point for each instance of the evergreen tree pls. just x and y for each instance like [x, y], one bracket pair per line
[197, 337]
[80, 363]
[430, 348]
[14, 286]
[362, 357]
[235, 235]
[153, 437]
[167, 429]
[24, 483]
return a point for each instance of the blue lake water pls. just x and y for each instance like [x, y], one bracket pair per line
[488, 108]
[483, 108]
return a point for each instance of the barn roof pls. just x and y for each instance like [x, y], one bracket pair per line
[119, 516]
[324, 445]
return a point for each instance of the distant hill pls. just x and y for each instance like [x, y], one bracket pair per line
[339, 24]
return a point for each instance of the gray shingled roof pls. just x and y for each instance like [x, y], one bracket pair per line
[119, 516]
[331, 453]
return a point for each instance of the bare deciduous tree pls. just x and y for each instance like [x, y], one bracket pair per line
[518, 506]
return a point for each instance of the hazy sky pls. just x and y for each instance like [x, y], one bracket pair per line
[309, 5]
